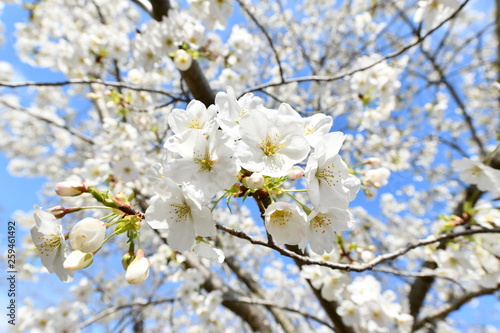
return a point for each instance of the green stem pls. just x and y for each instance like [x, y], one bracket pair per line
[217, 202]
[304, 207]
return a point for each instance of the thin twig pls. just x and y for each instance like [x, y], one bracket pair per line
[82, 81]
[394, 54]
[268, 37]
[446, 82]
[354, 267]
[72, 131]
[286, 308]
[446, 310]
[113, 309]
[413, 274]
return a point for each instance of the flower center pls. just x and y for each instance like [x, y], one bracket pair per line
[48, 244]
[476, 171]
[320, 222]
[309, 129]
[269, 145]
[182, 212]
[329, 175]
[195, 123]
[281, 217]
[206, 163]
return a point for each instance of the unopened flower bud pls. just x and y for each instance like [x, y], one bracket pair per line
[70, 188]
[138, 270]
[254, 181]
[127, 259]
[87, 235]
[182, 60]
[372, 161]
[78, 260]
[377, 177]
[59, 211]
[296, 173]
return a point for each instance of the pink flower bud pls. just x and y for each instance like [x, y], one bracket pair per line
[70, 188]
[372, 161]
[59, 211]
[138, 270]
[78, 260]
[296, 173]
[87, 235]
[255, 181]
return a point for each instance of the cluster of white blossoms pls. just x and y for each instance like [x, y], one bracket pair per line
[158, 39]
[213, 13]
[376, 87]
[86, 237]
[239, 141]
[363, 304]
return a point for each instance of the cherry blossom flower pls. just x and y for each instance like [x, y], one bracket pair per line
[326, 174]
[126, 170]
[333, 284]
[206, 163]
[47, 236]
[286, 222]
[230, 110]
[488, 216]
[322, 226]
[180, 210]
[271, 144]
[196, 116]
[349, 312]
[473, 172]
[314, 127]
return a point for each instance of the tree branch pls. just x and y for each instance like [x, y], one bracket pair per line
[198, 84]
[286, 308]
[451, 89]
[252, 315]
[250, 282]
[81, 81]
[159, 8]
[145, 6]
[266, 34]
[70, 130]
[193, 76]
[446, 310]
[391, 55]
[358, 267]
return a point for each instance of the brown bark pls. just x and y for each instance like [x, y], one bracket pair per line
[195, 79]
[253, 315]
